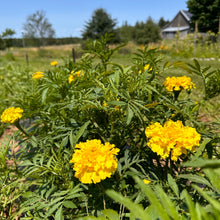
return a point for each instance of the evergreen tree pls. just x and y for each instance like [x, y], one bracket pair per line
[98, 25]
[126, 32]
[162, 22]
[146, 32]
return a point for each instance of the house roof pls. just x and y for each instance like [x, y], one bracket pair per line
[186, 14]
[174, 29]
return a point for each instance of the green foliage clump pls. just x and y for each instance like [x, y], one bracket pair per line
[146, 32]
[206, 13]
[112, 103]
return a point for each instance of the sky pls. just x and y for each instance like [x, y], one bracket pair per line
[69, 17]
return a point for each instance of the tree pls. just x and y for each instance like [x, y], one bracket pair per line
[38, 26]
[146, 32]
[100, 24]
[162, 22]
[6, 36]
[206, 13]
[125, 32]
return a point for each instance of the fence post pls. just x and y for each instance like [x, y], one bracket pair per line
[26, 57]
[195, 36]
[73, 54]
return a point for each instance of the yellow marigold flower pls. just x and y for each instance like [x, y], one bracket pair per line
[73, 75]
[146, 181]
[71, 78]
[146, 67]
[142, 47]
[178, 83]
[173, 137]
[53, 63]
[38, 75]
[11, 115]
[94, 161]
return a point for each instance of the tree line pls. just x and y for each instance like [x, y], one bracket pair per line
[36, 42]
[38, 31]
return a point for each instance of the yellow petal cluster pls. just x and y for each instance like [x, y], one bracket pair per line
[38, 75]
[73, 75]
[178, 83]
[146, 181]
[94, 161]
[53, 63]
[173, 138]
[11, 115]
[146, 67]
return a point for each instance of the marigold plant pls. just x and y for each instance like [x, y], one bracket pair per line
[11, 115]
[94, 161]
[172, 139]
[38, 75]
[178, 83]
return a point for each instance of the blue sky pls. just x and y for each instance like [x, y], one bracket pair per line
[68, 17]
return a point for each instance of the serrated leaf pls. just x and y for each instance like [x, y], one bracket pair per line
[111, 214]
[26, 163]
[129, 114]
[173, 185]
[69, 204]
[203, 163]
[197, 64]
[44, 94]
[202, 147]
[59, 214]
[196, 179]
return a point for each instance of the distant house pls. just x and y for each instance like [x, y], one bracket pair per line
[180, 23]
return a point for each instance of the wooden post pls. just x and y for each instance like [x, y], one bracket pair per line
[73, 54]
[26, 56]
[195, 35]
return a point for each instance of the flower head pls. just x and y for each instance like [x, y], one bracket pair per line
[11, 115]
[94, 161]
[146, 181]
[38, 75]
[178, 83]
[53, 63]
[73, 75]
[146, 67]
[173, 138]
